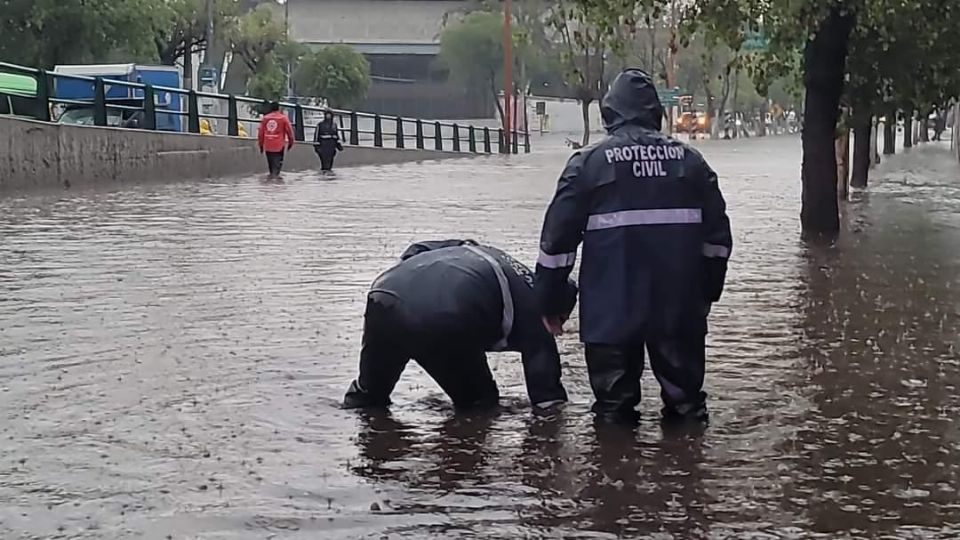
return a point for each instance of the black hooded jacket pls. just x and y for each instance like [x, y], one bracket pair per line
[326, 140]
[653, 223]
[456, 294]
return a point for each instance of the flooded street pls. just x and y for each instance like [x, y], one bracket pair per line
[172, 358]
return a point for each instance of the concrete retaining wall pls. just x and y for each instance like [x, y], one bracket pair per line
[38, 154]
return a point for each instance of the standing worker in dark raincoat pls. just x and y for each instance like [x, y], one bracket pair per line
[445, 305]
[656, 240]
[326, 141]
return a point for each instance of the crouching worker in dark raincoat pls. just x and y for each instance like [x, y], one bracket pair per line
[326, 142]
[445, 305]
[656, 240]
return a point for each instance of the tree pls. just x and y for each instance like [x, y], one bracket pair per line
[255, 36]
[50, 32]
[894, 53]
[269, 82]
[472, 51]
[254, 39]
[820, 30]
[337, 73]
[579, 30]
[183, 29]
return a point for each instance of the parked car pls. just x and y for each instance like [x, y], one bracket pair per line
[18, 95]
[83, 115]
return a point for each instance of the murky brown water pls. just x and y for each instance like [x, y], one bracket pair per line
[171, 358]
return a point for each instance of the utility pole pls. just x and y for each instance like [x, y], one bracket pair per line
[671, 62]
[209, 30]
[507, 72]
[286, 25]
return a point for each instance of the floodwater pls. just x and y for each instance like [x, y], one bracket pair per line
[172, 356]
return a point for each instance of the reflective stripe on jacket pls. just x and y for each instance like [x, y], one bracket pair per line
[653, 223]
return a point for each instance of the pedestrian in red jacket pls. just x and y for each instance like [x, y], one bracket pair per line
[276, 136]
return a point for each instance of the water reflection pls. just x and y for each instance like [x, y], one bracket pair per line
[171, 357]
[880, 370]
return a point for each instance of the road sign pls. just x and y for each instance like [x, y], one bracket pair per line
[755, 42]
[208, 76]
[670, 97]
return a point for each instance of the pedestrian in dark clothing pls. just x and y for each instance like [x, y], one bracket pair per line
[326, 142]
[656, 240]
[275, 137]
[445, 305]
[939, 125]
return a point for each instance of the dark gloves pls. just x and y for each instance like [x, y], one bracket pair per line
[714, 276]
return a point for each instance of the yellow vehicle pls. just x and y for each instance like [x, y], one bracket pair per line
[692, 122]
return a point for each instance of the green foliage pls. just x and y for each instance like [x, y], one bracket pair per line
[337, 73]
[583, 33]
[50, 32]
[182, 26]
[536, 62]
[473, 50]
[268, 82]
[255, 36]
[900, 54]
[257, 39]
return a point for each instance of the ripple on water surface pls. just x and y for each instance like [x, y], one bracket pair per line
[171, 357]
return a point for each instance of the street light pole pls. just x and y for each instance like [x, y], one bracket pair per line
[507, 72]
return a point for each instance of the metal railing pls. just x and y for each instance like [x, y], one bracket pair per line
[230, 115]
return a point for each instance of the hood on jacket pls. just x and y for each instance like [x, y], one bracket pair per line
[632, 99]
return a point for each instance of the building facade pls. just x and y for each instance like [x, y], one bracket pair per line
[401, 40]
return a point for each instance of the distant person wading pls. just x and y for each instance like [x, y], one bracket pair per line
[326, 142]
[276, 136]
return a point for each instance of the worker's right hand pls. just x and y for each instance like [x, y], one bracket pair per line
[553, 324]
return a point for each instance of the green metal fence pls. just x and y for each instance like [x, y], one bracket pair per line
[226, 114]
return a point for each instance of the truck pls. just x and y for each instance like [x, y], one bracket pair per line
[80, 92]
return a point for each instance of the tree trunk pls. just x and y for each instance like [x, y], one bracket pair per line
[585, 110]
[924, 127]
[736, 103]
[762, 127]
[908, 129]
[188, 70]
[496, 99]
[861, 153]
[890, 134]
[842, 148]
[711, 117]
[825, 59]
[653, 49]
